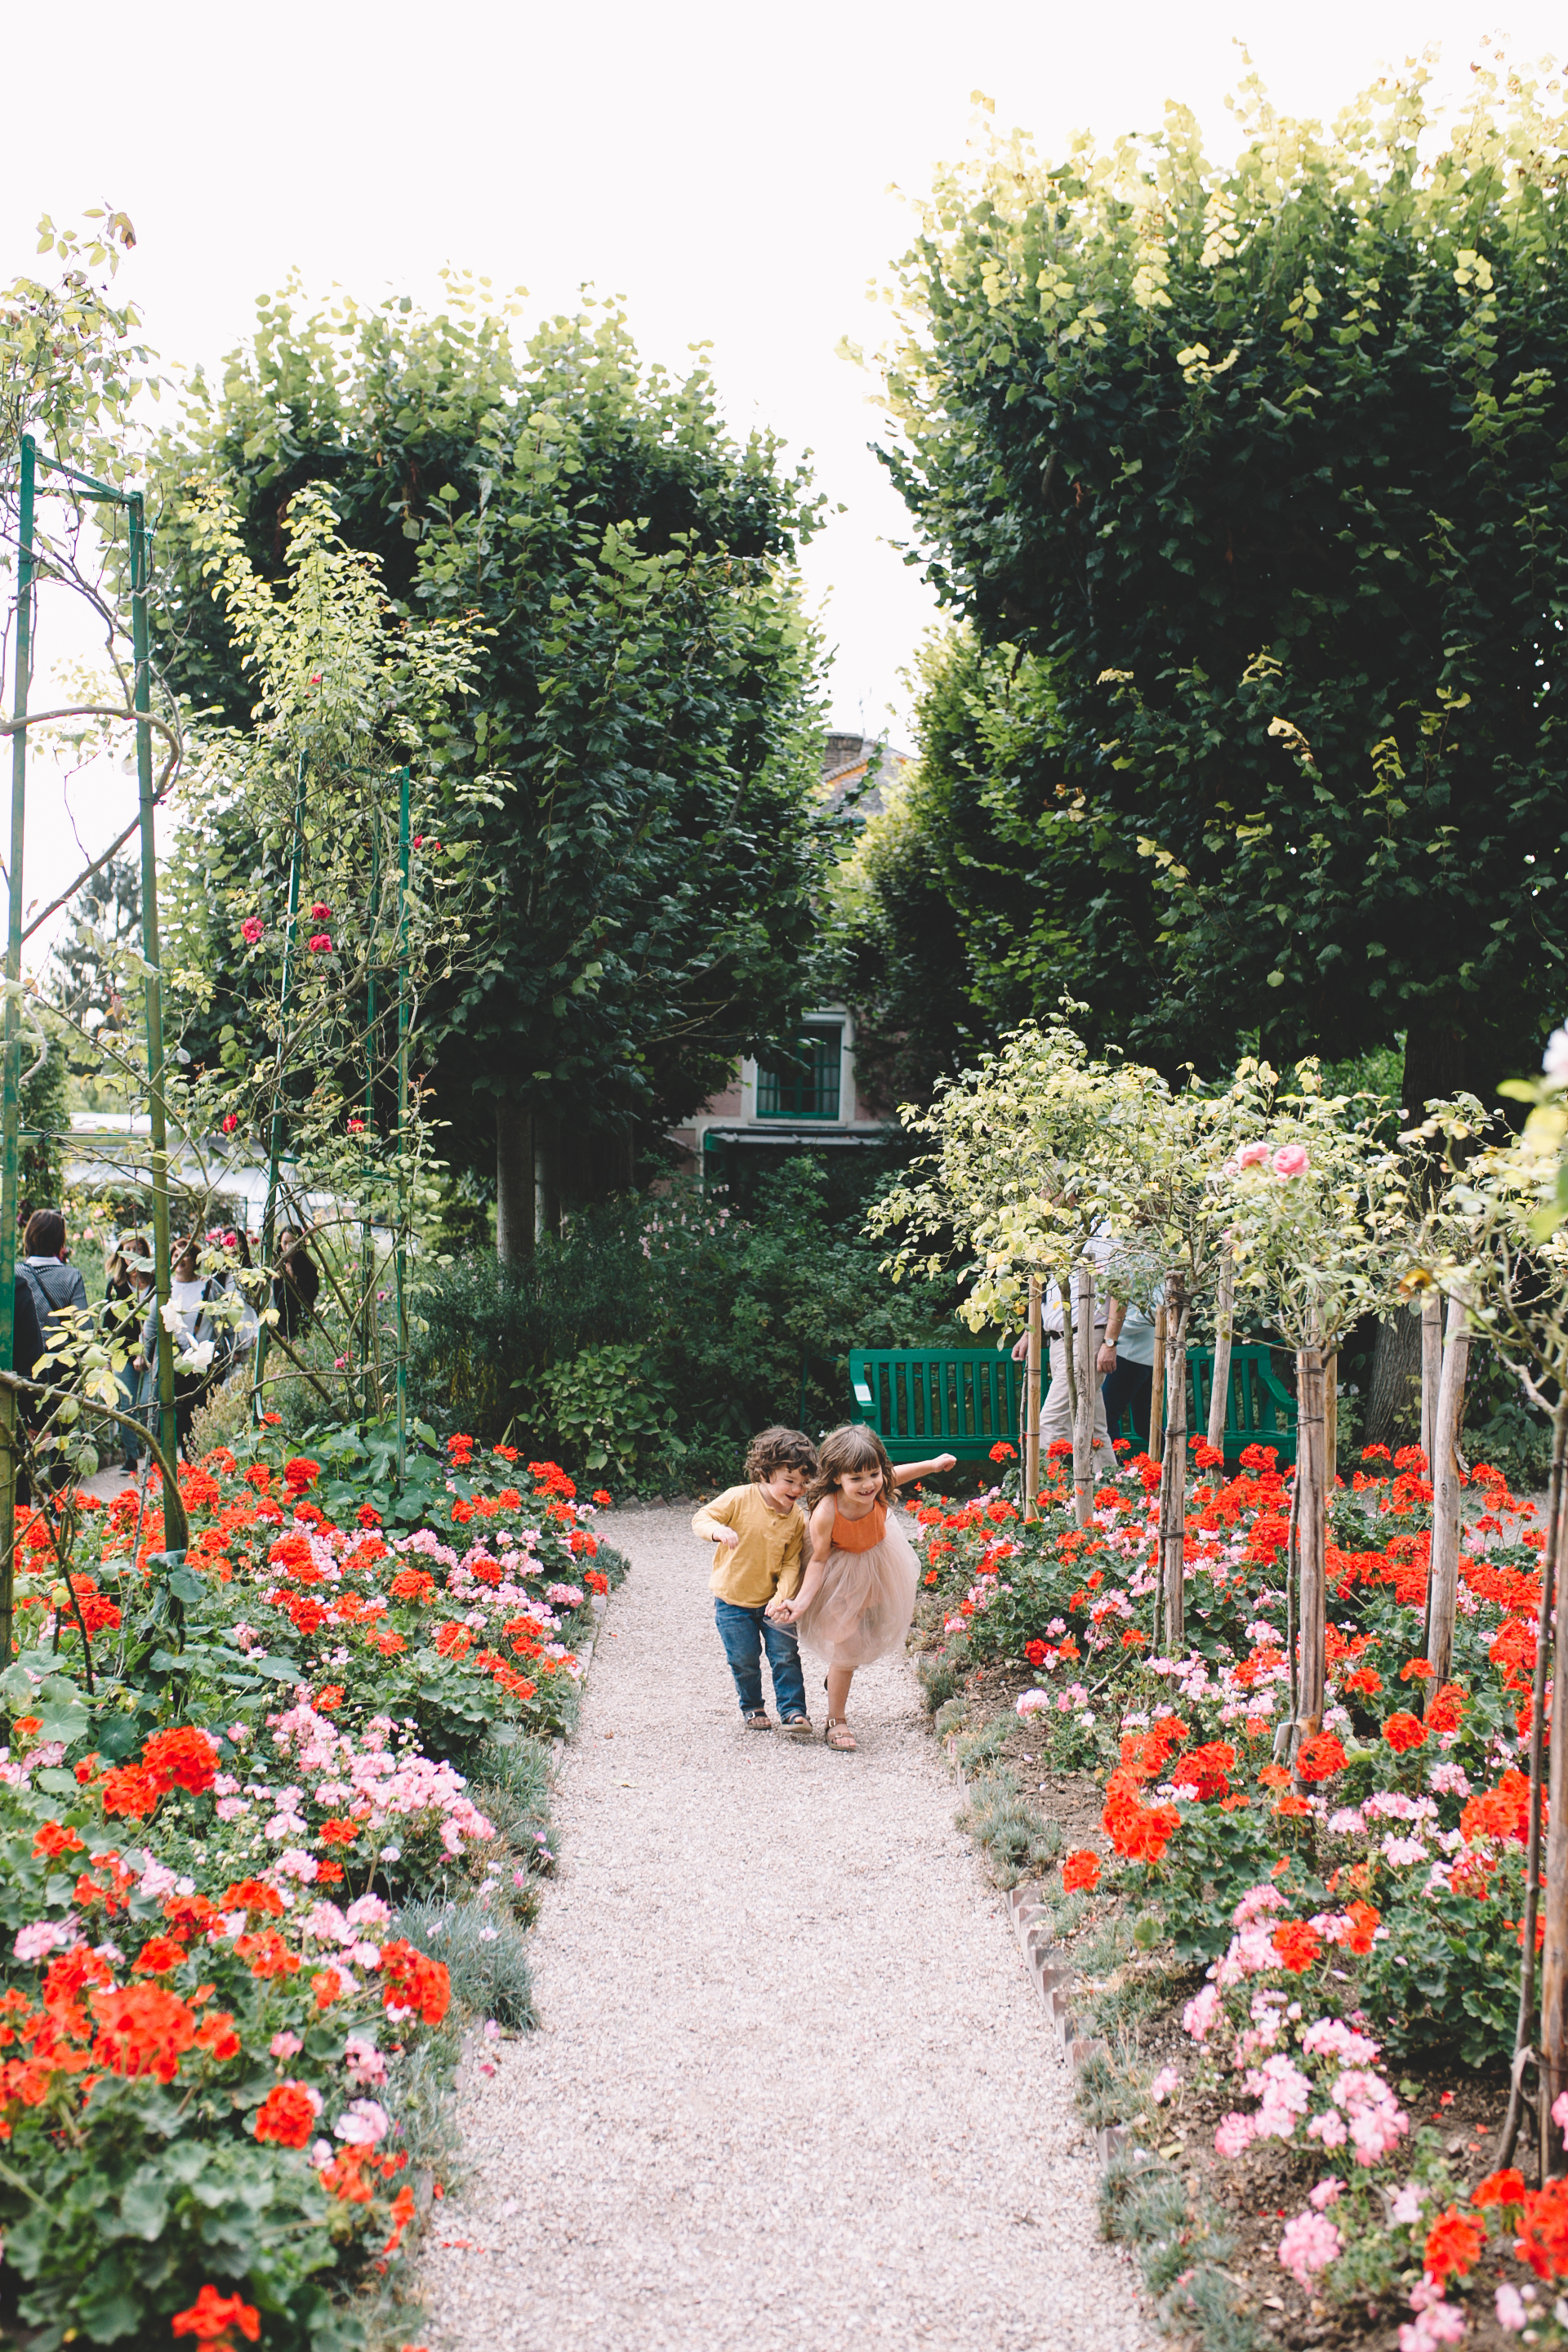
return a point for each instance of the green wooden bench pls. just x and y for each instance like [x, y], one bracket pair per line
[926, 1400]
[964, 1401]
[1259, 1410]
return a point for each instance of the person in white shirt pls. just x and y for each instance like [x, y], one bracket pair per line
[1056, 1412]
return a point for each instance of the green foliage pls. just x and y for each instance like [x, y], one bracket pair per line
[646, 842]
[485, 1953]
[613, 1410]
[669, 1324]
[1248, 481]
[1017, 1839]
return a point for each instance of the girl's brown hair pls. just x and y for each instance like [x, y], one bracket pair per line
[851, 1447]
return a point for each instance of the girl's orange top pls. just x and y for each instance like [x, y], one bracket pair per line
[860, 1535]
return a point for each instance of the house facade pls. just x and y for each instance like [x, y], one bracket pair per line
[813, 1100]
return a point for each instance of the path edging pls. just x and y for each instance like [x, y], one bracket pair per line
[1052, 1979]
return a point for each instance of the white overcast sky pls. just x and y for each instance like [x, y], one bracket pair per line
[724, 168]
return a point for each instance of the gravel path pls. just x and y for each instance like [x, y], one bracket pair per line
[792, 2089]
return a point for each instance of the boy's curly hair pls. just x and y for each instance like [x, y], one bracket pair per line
[780, 1449]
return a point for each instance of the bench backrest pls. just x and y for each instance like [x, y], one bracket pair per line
[964, 1401]
[922, 1401]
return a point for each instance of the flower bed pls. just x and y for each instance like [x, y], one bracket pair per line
[219, 2054]
[1309, 1952]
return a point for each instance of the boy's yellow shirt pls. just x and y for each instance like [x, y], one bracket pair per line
[766, 1560]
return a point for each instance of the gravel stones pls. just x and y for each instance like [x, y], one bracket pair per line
[792, 2085]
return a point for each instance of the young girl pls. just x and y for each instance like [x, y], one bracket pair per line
[858, 1595]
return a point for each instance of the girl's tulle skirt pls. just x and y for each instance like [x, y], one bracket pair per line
[866, 1603]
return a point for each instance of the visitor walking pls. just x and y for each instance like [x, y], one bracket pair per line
[857, 1597]
[1126, 1357]
[196, 1334]
[760, 1531]
[1056, 1409]
[128, 1281]
[57, 1287]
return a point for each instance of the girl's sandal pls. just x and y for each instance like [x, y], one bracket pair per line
[839, 1735]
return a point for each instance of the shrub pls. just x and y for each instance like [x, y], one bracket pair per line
[485, 1955]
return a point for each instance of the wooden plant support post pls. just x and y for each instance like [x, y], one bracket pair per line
[1174, 1465]
[1157, 1390]
[1443, 1574]
[1431, 1369]
[1224, 1332]
[1032, 1407]
[1554, 1991]
[1087, 1390]
[1331, 1426]
[1312, 1451]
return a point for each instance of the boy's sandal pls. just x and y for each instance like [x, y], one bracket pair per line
[839, 1735]
[757, 1720]
[796, 1726]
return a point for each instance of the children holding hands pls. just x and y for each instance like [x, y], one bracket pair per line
[857, 1598]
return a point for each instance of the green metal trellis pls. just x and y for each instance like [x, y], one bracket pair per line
[85, 486]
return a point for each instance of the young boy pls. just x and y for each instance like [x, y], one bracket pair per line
[760, 1530]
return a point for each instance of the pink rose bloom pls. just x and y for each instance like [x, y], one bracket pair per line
[1309, 2245]
[320, 944]
[1291, 1160]
[1252, 1155]
[250, 930]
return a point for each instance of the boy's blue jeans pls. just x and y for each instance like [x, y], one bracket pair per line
[738, 1630]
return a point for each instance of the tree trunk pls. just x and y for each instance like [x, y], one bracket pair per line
[1443, 1573]
[546, 1174]
[1554, 1952]
[1157, 1391]
[1431, 1372]
[1084, 1416]
[1524, 2023]
[514, 1183]
[1311, 1542]
[1031, 1465]
[1224, 1326]
[1434, 1063]
[1391, 1403]
[1173, 1483]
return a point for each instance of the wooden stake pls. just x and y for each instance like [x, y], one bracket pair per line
[1311, 1542]
[1157, 1391]
[1083, 1419]
[1332, 1425]
[1431, 1370]
[1443, 1573]
[1032, 1407]
[1173, 1485]
[1223, 1328]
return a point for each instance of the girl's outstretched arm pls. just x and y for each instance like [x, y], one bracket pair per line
[784, 1612]
[906, 1471]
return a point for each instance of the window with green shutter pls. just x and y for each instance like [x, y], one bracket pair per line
[808, 1088]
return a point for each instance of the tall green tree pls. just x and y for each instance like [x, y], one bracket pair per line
[646, 840]
[1267, 465]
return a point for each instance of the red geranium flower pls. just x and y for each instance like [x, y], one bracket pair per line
[288, 2115]
[1322, 1758]
[1080, 1872]
[1035, 1651]
[1404, 1732]
[1298, 1945]
[213, 2315]
[1452, 2245]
